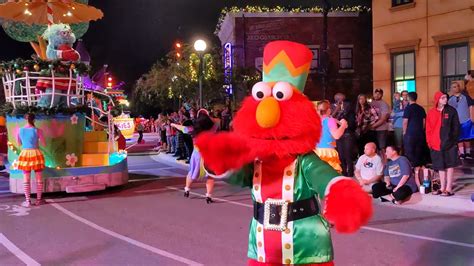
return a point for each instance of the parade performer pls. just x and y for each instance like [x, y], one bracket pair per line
[326, 147]
[3, 142]
[271, 151]
[196, 170]
[31, 158]
[60, 40]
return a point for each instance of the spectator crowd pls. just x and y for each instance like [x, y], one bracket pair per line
[392, 152]
[173, 139]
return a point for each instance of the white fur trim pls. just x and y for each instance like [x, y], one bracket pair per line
[334, 181]
[257, 181]
[288, 182]
[259, 239]
[287, 243]
[221, 176]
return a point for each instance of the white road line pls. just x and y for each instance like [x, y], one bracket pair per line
[419, 237]
[152, 190]
[152, 168]
[67, 199]
[215, 199]
[144, 179]
[17, 252]
[449, 242]
[124, 238]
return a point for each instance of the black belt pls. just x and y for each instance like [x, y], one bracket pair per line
[296, 210]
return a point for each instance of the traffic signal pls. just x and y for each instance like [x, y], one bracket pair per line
[177, 48]
[109, 82]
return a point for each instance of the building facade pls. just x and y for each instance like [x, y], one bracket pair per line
[349, 46]
[421, 45]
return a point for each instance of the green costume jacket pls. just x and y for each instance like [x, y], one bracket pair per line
[305, 240]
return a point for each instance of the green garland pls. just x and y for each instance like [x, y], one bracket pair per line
[280, 9]
[7, 109]
[20, 110]
[19, 66]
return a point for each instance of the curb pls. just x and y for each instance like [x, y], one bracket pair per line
[434, 203]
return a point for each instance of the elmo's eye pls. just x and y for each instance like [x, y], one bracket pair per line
[261, 90]
[282, 91]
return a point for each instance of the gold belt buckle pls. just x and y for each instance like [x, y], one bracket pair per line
[283, 215]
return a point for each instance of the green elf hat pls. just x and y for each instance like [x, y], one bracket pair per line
[287, 61]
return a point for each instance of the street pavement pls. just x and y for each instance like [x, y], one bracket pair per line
[149, 222]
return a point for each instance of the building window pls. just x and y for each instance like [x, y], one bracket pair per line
[454, 64]
[345, 58]
[403, 72]
[316, 58]
[401, 2]
[315, 61]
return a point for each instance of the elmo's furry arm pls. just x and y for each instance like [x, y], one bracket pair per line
[223, 151]
[347, 206]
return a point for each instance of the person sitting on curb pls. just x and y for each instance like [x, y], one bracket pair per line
[369, 167]
[399, 182]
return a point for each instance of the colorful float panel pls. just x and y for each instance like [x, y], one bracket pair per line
[64, 136]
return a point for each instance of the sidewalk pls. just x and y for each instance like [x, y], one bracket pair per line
[460, 203]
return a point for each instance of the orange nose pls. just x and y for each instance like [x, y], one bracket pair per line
[268, 113]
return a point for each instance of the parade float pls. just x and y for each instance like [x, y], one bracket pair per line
[102, 81]
[78, 157]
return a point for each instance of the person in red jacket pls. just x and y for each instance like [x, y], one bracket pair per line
[442, 134]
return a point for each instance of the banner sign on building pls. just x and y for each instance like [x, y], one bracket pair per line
[228, 66]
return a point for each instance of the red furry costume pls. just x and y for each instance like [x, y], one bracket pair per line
[271, 151]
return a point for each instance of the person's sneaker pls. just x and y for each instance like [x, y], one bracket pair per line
[180, 158]
[384, 199]
[39, 202]
[26, 204]
[462, 156]
[468, 156]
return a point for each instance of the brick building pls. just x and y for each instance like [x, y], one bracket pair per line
[349, 45]
[421, 45]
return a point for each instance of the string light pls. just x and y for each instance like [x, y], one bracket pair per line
[281, 9]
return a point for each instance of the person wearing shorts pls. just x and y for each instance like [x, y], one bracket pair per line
[399, 182]
[442, 134]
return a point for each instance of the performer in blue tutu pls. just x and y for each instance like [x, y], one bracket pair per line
[201, 124]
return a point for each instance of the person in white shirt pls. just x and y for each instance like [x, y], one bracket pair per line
[369, 167]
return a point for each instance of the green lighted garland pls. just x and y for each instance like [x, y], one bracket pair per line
[19, 66]
[280, 9]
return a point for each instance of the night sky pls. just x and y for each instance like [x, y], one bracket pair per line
[135, 34]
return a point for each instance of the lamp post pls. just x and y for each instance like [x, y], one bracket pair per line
[324, 54]
[200, 47]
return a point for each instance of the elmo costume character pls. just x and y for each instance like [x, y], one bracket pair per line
[271, 152]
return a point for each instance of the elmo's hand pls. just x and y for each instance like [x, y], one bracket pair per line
[348, 207]
[223, 151]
